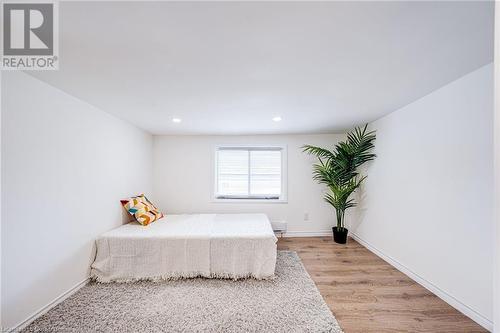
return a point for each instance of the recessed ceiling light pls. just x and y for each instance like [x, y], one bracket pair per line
[277, 118]
[176, 120]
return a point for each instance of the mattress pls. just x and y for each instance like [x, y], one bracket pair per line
[229, 246]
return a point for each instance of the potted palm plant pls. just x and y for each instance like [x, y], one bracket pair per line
[338, 170]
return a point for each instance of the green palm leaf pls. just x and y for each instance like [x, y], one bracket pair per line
[338, 168]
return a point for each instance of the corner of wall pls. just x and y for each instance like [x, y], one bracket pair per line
[496, 305]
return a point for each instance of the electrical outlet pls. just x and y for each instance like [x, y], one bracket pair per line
[306, 216]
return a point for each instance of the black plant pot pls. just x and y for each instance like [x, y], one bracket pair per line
[340, 237]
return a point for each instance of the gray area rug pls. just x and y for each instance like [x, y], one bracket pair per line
[289, 303]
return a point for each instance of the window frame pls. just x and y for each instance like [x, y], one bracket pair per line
[283, 198]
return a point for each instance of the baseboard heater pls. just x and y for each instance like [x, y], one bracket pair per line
[279, 227]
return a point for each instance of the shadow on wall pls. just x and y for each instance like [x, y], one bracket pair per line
[358, 214]
[40, 299]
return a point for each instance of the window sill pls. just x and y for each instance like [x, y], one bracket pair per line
[251, 201]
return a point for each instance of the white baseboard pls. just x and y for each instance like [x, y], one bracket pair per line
[463, 308]
[47, 307]
[307, 233]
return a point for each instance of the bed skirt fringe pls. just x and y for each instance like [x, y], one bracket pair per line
[180, 276]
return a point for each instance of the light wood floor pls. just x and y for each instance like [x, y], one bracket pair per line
[366, 294]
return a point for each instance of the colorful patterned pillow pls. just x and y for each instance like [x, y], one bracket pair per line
[142, 209]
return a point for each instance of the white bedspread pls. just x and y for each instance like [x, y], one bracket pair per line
[183, 246]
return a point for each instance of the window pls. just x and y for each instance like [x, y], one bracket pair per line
[250, 172]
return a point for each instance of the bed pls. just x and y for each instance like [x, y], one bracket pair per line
[231, 246]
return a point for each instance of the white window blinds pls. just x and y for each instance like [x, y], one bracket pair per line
[249, 173]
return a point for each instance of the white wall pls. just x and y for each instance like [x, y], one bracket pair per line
[183, 170]
[65, 165]
[0, 202]
[428, 200]
[496, 307]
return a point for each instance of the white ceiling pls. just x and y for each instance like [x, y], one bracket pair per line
[228, 67]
